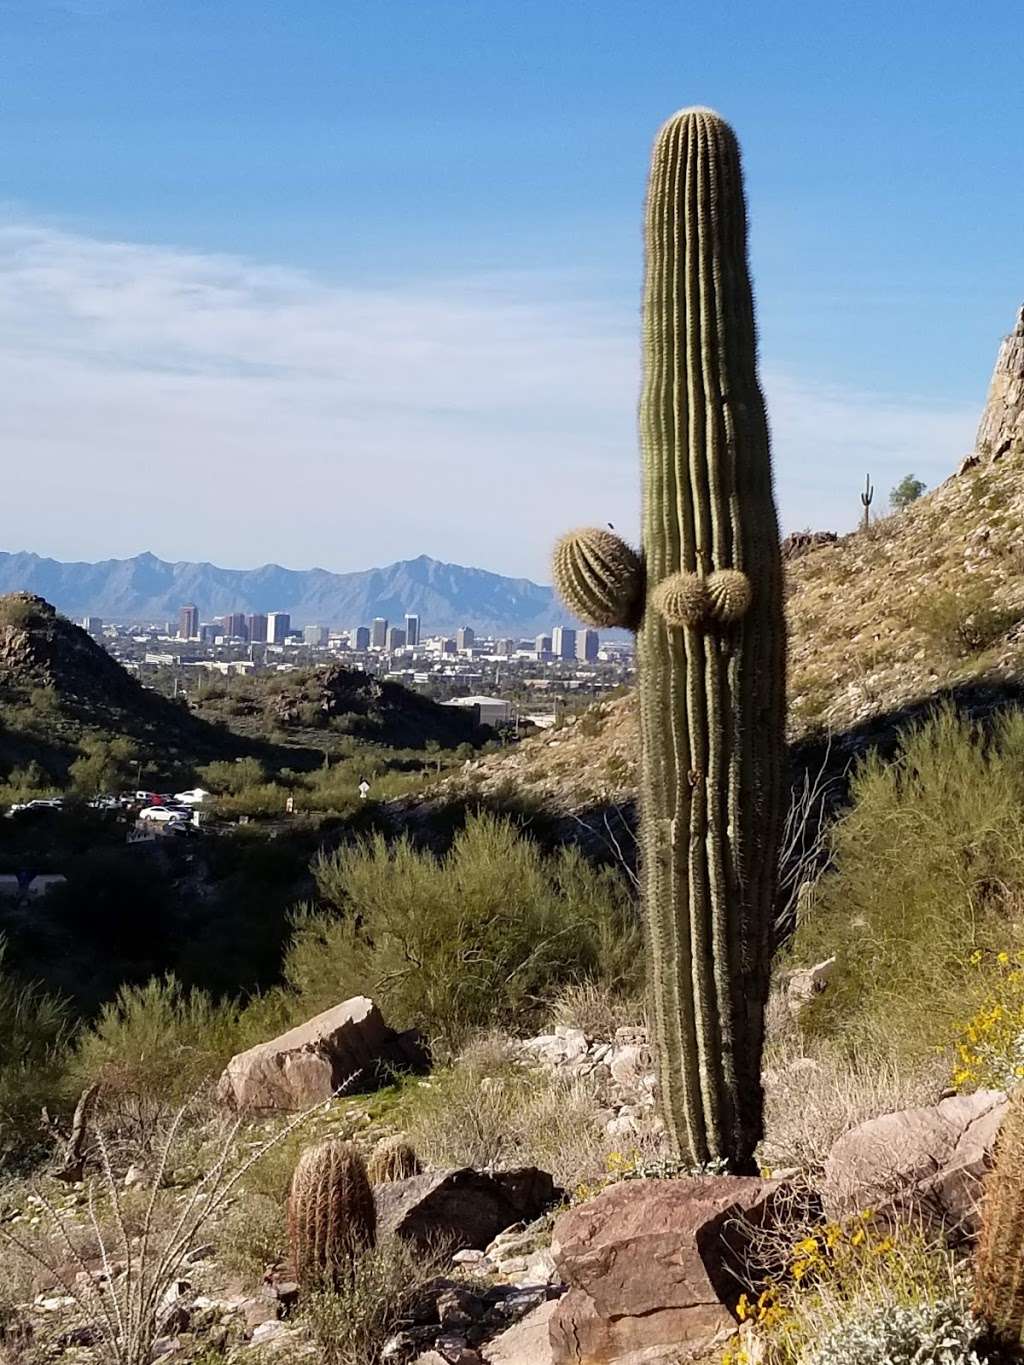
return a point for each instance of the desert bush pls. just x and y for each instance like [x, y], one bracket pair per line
[927, 867]
[811, 1100]
[487, 1110]
[104, 765]
[489, 933]
[157, 1041]
[908, 490]
[34, 1033]
[21, 611]
[226, 777]
[150, 1232]
[990, 1040]
[351, 1323]
[861, 1292]
[963, 622]
[597, 1010]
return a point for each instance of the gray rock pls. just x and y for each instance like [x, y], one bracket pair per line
[462, 1208]
[928, 1160]
[526, 1343]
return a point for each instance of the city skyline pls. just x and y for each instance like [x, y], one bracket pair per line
[255, 293]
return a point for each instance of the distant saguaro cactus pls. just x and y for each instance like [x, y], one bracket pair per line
[393, 1158]
[706, 601]
[999, 1262]
[331, 1212]
[866, 499]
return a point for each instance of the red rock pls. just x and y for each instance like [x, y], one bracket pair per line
[648, 1268]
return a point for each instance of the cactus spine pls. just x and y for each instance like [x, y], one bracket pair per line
[999, 1262]
[331, 1213]
[710, 648]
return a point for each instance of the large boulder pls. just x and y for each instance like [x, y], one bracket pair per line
[349, 1047]
[928, 1160]
[528, 1342]
[463, 1208]
[650, 1268]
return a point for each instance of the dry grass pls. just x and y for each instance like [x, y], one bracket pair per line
[813, 1095]
[597, 1010]
[487, 1110]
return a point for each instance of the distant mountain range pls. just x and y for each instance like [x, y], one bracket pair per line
[147, 589]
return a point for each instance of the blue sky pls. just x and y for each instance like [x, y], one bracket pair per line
[340, 282]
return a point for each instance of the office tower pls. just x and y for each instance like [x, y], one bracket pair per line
[464, 637]
[207, 634]
[395, 638]
[412, 630]
[542, 644]
[379, 632]
[235, 627]
[279, 623]
[188, 622]
[563, 642]
[258, 628]
[448, 647]
[92, 625]
[587, 644]
[506, 648]
[361, 638]
[314, 636]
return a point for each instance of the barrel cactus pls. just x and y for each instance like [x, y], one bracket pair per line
[705, 598]
[999, 1263]
[393, 1158]
[331, 1213]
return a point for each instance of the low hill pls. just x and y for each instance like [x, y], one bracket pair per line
[925, 604]
[144, 588]
[58, 688]
[313, 705]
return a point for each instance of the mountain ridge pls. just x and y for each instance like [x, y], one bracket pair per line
[146, 588]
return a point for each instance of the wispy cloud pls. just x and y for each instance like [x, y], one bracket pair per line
[205, 406]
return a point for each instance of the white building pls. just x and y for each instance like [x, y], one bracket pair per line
[563, 642]
[315, 636]
[279, 623]
[490, 710]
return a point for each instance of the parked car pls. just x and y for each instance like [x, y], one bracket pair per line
[164, 815]
[195, 797]
[104, 803]
[46, 803]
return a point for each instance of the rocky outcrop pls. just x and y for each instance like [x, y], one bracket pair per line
[621, 1071]
[462, 1208]
[649, 1265]
[928, 1160]
[346, 1048]
[1002, 422]
[801, 543]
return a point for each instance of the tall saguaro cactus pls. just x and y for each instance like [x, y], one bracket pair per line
[706, 602]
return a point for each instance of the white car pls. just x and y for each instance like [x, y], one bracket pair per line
[46, 803]
[195, 797]
[163, 815]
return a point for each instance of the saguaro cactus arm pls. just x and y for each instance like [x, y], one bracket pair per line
[599, 577]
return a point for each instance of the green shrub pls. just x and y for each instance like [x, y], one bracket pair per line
[158, 1041]
[33, 1038]
[928, 866]
[232, 777]
[908, 490]
[487, 934]
[965, 622]
[103, 766]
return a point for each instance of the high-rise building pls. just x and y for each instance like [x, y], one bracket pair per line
[563, 642]
[361, 638]
[395, 638]
[235, 627]
[412, 630]
[379, 632]
[258, 628]
[92, 625]
[279, 623]
[587, 644]
[464, 637]
[315, 636]
[542, 644]
[188, 622]
[505, 648]
[207, 634]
